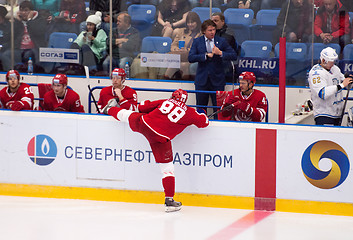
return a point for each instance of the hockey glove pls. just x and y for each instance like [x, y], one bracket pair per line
[17, 106]
[245, 107]
[201, 110]
[230, 99]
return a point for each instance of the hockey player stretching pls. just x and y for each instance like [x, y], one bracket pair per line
[247, 103]
[16, 96]
[160, 121]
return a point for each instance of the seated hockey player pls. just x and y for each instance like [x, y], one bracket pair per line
[160, 121]
[247, 103]
[62, 98]
[16, 96]
[126, 96]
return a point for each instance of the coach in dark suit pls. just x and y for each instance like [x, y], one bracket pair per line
[210, 51]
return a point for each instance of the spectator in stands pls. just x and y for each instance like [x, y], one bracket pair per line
[126, 42]
[124, 95]
[332, 24]
[326, 83]
[223, 31]
[210, 51]
[171, 14]
[246, 103]
[16, 96]
[29, 31]
[62, 98]
[160, 121]
[181, 45]
[270, 4]
[347, 4]
[52, 5]
[92, 43]
[255, 5]
[72, 13]
[297, 28]
[103, 7]
[7, 5]
[5, 29]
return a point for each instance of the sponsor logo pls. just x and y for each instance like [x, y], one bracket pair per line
[325, 164]
[42, 150]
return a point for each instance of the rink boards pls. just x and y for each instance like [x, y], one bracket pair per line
[234, 165]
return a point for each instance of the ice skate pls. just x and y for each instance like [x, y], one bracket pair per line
[112, 103]
[171, 205]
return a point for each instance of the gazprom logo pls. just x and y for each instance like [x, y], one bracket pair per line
[325, 164]
[42, 150]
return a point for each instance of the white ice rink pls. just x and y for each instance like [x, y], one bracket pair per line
[24, 218]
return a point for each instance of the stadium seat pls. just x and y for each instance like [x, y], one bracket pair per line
[241, 32]
[204, 12]
[61, 39]
[156, 44]
[239, 20]
[296, 62]
[142, 18]
[317, 47]
[348, 52]
[87, 7]
[351, 17]
[267, 17]
[261, 49]
[266, 22]
[294, 51]
[238, 16]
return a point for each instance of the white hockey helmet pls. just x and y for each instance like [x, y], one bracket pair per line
[328, 54]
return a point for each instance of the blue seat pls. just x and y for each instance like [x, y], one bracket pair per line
[156, 44]
[204, 12]
[266, 22]
[238, 16]
[317, 47]
[296, 62]
[253, 49]
[294, 51]
[241, 32]
[348, 52]
[61, 39]
[267, 17]
[142, 18]
[351, 17]
[87, 7]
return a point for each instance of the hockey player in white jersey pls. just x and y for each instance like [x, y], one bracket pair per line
[326, 83]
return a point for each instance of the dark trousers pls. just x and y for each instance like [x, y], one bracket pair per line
[202, 98]
[328, 121]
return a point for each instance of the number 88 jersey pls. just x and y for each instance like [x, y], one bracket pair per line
[170, 117]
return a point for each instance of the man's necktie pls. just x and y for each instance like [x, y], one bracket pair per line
[208, 46]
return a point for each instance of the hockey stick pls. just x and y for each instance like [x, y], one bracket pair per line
[345, 101]
[90, 90]
[220, 110]
[233, 82]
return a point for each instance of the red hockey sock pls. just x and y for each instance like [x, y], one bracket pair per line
[113, 111]
[169, 186]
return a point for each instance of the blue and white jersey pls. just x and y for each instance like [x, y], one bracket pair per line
[327, 100]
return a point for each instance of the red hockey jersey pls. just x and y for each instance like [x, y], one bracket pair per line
[129, 102]
[258, 103]
[168, 117]
[24, 95]
[70, 103]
